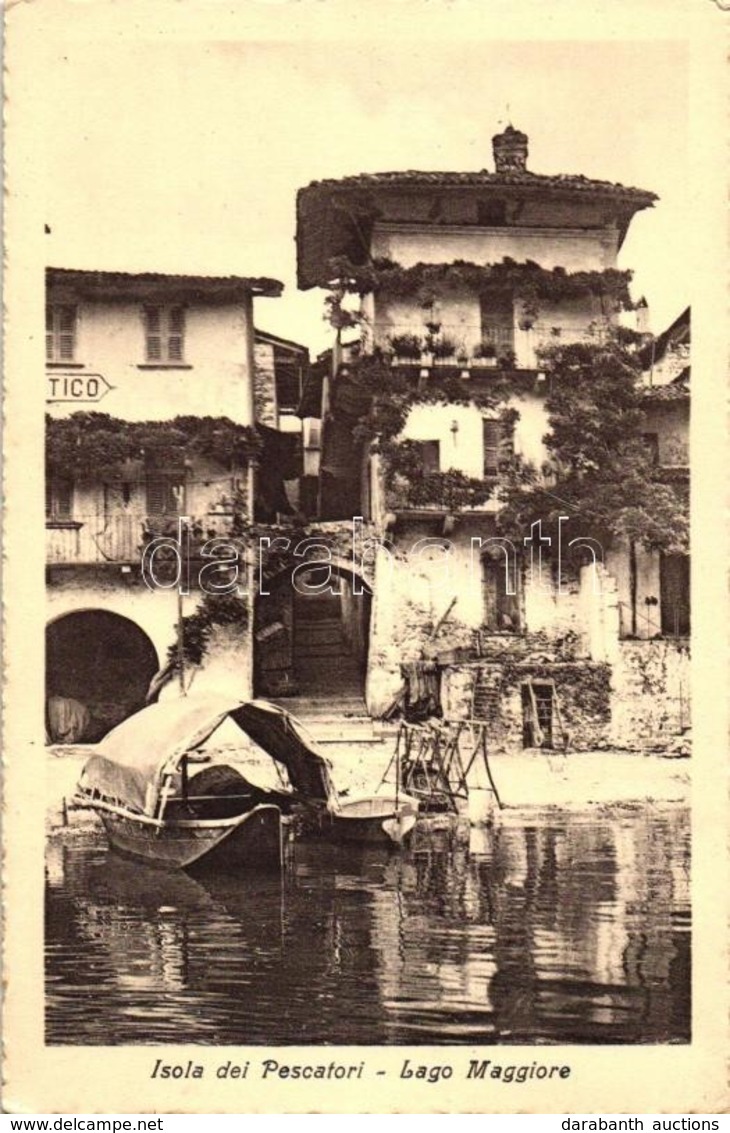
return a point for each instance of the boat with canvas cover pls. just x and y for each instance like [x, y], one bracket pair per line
[164, 799]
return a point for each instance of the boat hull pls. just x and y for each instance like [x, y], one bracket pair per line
[251, 839]
[374, 821]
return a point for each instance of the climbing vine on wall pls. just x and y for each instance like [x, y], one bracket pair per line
[601, 473]
[96, 446]
[427, 282]
[584, 688]
[410, 485]
[392, 393]
[214, 610]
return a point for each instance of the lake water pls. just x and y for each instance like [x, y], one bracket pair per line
[546, 928]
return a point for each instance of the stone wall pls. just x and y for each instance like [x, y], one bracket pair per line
[416, 582]
[641, 702]
[493, 691]
[650, 693]
[227, 666]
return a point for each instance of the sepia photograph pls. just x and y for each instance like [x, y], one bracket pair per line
[366, 717]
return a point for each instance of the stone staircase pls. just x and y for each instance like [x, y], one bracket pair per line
[329, 682]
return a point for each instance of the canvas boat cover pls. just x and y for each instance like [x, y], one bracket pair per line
[134, 757]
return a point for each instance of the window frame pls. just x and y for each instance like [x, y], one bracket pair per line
[56, 332]
[494, 570]
[503, 446]
[172, 486]
[430, 456]
[497, 320]
[59, 501]
[170, 326]
[675, 595]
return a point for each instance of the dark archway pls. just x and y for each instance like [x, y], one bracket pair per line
[313, 645]
[98, 668]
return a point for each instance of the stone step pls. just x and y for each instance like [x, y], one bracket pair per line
[316, 636]
[321, 649]
[315, 670]
[328, 682]
[329, 676]
[311, 625]
[324, 706]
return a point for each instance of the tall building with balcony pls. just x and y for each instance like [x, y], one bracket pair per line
[452, 286]
[162, 399]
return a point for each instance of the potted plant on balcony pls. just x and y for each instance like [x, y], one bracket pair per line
[507, 360]
[407, 346]
[441, 347]
[485, 353]
[528, 316]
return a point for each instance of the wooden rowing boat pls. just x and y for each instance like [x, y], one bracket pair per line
[164, 801]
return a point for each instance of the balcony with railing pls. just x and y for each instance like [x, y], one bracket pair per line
[477, 345]
[93, 540]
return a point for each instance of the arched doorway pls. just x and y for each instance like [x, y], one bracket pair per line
[312, 638]
[98, 668]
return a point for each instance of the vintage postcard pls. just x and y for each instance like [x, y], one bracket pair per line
[365, 649]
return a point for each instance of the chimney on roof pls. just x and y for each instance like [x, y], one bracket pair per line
[510, 151]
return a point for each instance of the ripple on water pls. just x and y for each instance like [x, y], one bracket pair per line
[562, 928]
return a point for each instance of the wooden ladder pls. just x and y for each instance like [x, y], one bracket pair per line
[538, 736]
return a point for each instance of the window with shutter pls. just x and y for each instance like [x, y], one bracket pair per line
[164, 334]
[498, 444]
[60, 333]
[59, 499]
[176, 329]
[651, 442]
[431, 457]
[288, 384]
[501, 609]
[165, 496]
[674, 583]
[497, 321]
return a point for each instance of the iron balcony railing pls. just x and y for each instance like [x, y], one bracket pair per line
[478, 343]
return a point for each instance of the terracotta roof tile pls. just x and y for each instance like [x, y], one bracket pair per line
[524, 179]
[119, 282]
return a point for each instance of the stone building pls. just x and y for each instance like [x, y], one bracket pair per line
[160, 393]
[450, 286]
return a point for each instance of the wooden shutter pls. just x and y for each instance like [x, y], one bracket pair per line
[176, 331]
[497, 319]
[674, 582]
[66, 333]
[49, 335]
[498, 441]
[165, 495]
[59, 499]
[153, 334]
[506, 441]
[501, 610]
[164, 334]
[489, 594]
[288, 382]
[492, 436]
[60, 333]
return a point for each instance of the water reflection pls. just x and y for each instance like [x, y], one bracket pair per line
[552, 929]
